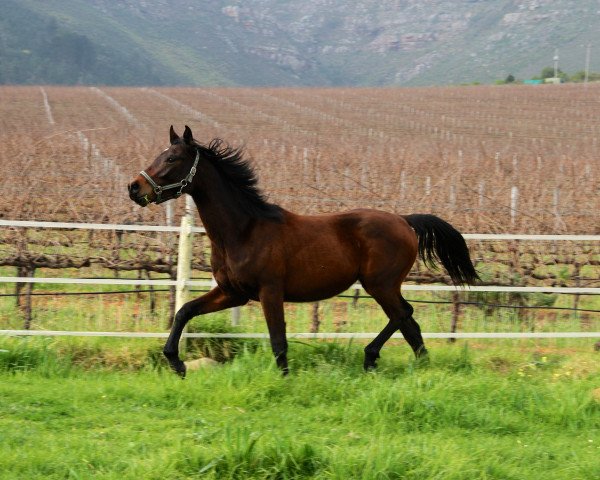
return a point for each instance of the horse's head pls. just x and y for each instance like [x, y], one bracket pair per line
[169, 174]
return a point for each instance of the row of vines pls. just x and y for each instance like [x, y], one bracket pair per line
[515, 159]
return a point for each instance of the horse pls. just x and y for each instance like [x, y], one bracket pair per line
[263, 252]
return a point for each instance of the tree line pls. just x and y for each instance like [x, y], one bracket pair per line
[548, 72]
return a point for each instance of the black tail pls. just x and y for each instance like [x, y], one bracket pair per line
[438, 240]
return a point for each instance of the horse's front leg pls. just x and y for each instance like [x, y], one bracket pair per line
[212, 301]
[271, 300]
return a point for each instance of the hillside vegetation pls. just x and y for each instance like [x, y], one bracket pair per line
[266, 42]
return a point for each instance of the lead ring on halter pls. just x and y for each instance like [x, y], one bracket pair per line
[158, 189]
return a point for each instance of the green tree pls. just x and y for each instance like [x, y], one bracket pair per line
[548, 72]
[580, 76]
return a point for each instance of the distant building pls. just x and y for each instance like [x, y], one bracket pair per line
[553, 80]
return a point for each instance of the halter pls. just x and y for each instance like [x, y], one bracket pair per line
[158, 189]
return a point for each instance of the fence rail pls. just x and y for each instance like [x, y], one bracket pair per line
[95, 226]
[174, 229]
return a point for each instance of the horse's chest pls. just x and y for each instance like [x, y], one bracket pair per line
[232, 274]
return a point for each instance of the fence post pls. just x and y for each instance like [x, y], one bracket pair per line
[184, 257]
[170, 258]
[28, 300]
[455, 315]
[514, 197]
[235, 316]
[315, 323]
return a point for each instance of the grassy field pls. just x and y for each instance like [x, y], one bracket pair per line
[77, 307]
[76, 408]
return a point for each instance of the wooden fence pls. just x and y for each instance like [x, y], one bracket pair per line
[183, 281]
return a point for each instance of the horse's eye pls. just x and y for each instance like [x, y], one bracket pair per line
[171, 159]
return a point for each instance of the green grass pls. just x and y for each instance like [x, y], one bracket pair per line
[131, 312]
[105, 408]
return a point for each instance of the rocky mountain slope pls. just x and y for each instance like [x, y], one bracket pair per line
[274, 42]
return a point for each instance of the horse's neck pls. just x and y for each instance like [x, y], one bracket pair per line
[224, 224]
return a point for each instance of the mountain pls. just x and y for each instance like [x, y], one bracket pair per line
[276, 42]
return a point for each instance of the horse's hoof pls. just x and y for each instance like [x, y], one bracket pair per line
[179, 368]
[370, 363]
[422, 352]
[422, 357]
[370, 367]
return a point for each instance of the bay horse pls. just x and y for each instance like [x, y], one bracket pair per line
[260, 251]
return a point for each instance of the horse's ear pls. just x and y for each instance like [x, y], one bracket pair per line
[187, 135]
[173, 136]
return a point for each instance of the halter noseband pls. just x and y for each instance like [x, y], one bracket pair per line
[158, 189]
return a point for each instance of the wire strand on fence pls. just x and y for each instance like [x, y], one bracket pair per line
[265, 336]
[207, 283]
[431, 302]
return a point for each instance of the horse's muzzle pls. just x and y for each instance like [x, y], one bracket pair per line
[134, 193]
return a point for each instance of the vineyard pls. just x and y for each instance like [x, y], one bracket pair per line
[511, 159]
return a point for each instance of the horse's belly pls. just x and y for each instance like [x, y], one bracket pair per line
[323, 265]
[313, 294]
[318, 286]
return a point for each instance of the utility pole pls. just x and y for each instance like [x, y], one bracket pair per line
[587, 63]
[556, 63]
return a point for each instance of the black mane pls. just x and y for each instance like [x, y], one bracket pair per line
[239, 175]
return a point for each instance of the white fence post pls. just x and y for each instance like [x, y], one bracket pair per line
[235, 316]
[514, 197]
[184, 258]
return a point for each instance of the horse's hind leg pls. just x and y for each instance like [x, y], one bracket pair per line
[399, 313]
[372, 349]
[412, 332]
[271, 300]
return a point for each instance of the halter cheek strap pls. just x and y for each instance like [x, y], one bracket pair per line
[159, 189]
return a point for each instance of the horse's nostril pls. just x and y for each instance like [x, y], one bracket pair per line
[134, 187]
